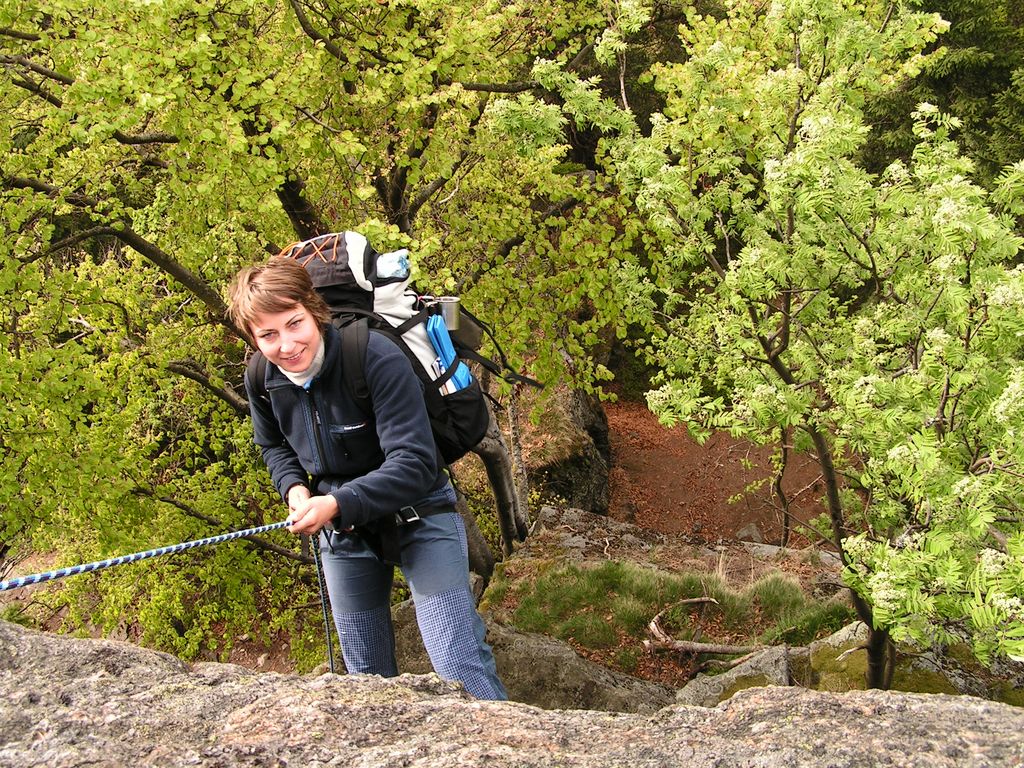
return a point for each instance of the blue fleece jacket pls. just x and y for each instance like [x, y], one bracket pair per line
[372, 464]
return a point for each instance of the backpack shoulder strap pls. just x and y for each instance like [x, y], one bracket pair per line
[354, 338]
[256, 374]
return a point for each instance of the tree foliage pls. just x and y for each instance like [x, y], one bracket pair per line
[700, 176]
[877, 316]
[151, 150]
[976, 73]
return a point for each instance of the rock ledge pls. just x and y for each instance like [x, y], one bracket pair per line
[70, 702]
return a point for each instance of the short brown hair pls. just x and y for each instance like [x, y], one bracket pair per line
[276, 286]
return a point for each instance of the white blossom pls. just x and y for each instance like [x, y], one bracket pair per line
[1006, 409]
[991, 563]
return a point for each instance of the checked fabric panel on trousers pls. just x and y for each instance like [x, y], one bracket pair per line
[367, 642]
[454, 636]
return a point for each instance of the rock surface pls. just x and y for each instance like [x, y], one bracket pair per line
[541, 670]
[569, 452]
[68, 702]
[769, 667]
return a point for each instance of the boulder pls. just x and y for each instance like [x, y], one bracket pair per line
[570, 456]
[839, 663]
[72, 702]
[541, 670]
[768, 667]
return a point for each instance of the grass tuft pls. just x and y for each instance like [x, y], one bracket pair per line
[610, 605]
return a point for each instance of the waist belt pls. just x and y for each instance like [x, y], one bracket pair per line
[381, 535]
[411, 514]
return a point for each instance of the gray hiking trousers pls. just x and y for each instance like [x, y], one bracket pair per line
[435, 566]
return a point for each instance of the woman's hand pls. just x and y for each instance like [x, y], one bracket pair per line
[297, 494]
[309, 515]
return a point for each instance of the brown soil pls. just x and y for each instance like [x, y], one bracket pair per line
[662, 479]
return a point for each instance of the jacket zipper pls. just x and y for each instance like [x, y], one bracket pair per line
[316, 432]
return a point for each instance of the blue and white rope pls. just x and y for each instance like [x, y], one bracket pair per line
[38, 578]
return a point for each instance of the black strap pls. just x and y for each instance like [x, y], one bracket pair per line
[419, 317]
[381, 535]
[256, 373]
[354, 338]
[509, 374]
[441, 380]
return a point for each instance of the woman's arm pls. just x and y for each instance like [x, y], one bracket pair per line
[410, 468]
[285, 469]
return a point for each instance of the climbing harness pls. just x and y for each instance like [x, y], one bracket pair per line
[39, 578]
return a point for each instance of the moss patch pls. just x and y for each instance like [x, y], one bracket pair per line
[915, 679]
[801, 671]
[1007, 694]
[743, 682]
[839, 671]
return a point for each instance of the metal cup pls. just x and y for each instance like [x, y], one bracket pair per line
[449, 311]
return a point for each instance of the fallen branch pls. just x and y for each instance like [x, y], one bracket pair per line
[727, 663]
[663, 640]
[686, 646]
[656, 621]
[850, 651]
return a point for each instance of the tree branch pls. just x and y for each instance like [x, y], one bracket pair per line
[430, 189]
[145, 138]
[118, 135]
[784, 440]
[38, 90]
[396, 201]
[199, 287]
[577, 60]
[663, 640]
[67, 242]
[39, 69]
[19, 35]
[20, 182]
[527, 85]
[312, 33]
[304, 217]
[159, 258]
[190, 370]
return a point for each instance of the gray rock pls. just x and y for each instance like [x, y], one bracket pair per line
[67, 702]
[853, 633]
[541, 671]
[769, 667]
[575, 461]
[826, 585]
[939, 669]
[750, 532]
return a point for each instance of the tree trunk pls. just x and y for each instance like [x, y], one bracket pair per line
[520, 476]
[495, 456]
[878, 639]
[481, 559]
[878, 645]
[785, 438]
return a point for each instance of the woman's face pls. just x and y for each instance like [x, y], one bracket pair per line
[289, 339]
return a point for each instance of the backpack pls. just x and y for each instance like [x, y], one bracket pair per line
[365, 289]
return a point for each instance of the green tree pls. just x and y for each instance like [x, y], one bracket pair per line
[152, 149]
[875, 318]
[976, 74]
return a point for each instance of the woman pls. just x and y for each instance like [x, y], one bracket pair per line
[361, 480]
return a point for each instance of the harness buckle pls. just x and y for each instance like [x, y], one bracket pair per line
[406, 515]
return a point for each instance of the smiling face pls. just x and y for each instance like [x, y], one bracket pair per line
[289, 339]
